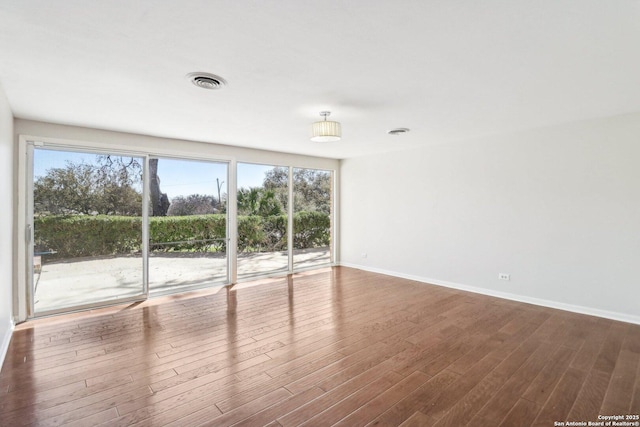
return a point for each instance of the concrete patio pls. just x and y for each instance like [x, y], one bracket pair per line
[70, 283]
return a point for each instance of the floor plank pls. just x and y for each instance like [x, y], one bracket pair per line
[562, 399]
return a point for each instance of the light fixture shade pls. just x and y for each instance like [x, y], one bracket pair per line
[326, 131]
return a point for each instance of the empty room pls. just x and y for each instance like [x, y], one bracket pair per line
[283, 213]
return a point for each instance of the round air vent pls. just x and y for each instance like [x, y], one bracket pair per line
[398, 131]
[207, 80]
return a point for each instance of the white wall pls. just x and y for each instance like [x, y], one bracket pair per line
[556, 208]
[6, 224]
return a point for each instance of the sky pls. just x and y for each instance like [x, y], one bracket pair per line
[177, 177]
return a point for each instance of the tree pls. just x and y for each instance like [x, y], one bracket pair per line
[194, 204]
[219, 185]
[277, 180]
[311, 188]
[258, 201]
[117, 199]
[65, 190]
[129, 169]
[159, 200]
[82, 188]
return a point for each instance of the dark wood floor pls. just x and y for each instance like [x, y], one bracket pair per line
[333, 347]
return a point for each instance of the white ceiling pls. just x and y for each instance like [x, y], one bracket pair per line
[447, 69]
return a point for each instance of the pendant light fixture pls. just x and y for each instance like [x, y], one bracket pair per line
[326, 130]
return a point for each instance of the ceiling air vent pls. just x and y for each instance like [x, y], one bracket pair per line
[207, 80]
[398, 131]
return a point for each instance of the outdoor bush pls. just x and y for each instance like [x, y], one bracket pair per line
[85, 235]
[73, 236]
[250, 232]
[200, 232]
[311, 229]
[262, 233]
[275, 228]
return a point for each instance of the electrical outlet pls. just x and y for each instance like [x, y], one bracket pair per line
[364, 254]
[504, 276]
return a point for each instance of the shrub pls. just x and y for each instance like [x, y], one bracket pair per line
[311, 229]
[262, 233]
[75, 236]
[251, 233]
[200, 232]
[85, 235]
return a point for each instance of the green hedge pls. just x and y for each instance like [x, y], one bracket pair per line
[311, 230]
[202, 232]
[84, 235]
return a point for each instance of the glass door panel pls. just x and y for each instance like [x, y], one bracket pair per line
[187, 224]
[263, 194]
[87, 229]
[312, 190]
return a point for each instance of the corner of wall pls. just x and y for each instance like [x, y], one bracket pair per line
[7, 216]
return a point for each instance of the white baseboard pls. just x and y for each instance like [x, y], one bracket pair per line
[505, 295]
[5, 343]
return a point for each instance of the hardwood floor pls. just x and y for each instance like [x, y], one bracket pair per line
[333, 347]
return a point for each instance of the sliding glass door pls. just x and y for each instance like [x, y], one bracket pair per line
[187, 224]
[264, 203]
[110, 227]
[263, 195]
[86, 219]
[312, 194]
[94, 241]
